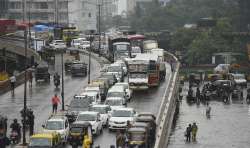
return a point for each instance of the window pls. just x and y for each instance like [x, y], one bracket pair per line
[89, 14]
[15, 5]
[43, 5]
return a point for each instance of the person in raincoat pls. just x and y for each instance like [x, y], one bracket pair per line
[86, 142]
[194, 131]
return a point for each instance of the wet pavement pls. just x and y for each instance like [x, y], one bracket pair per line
[39, 96]
[39, 99]
[228, 126]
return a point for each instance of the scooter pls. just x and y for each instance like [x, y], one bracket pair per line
[14, 137]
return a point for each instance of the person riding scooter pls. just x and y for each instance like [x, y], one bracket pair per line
[56, 79]
[16, 129]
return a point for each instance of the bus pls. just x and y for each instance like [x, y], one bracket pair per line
[69, 34]
[153, 68]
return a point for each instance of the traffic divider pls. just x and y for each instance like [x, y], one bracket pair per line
[167, 108]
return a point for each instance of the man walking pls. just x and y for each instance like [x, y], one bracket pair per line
[194, 131]
[12, 83]
[188, 133]
[55, 101]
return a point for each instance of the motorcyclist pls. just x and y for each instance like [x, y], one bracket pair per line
[15, 126]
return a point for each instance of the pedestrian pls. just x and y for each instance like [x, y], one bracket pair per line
[194, 131]
[31, 123]
[12, 83]
[30, 76]
[4, 141]
[120, 140]
[55, 101]
[188, 133]
[208, 110]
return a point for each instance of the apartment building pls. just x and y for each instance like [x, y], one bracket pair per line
[47, 11]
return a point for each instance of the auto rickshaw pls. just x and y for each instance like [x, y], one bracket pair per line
[137, 137]
[78, 132]
[48, 140]
[151, 121]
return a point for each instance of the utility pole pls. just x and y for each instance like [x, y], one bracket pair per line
[29, 24]
[62, 93]
[25, 76]
[99, 28]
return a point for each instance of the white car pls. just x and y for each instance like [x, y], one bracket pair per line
[57, 124]
[93, 89]
[124, 67]
[120, 117]
[85, 45]
[58, 44]
[117, 91]
[93, 118]
[115, 102]
[239, 79]
[76, 43]
[104, 112]
[127, 89]
[117, 70]
[93, 95]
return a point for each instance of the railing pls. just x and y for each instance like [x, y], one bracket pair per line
[166, 113]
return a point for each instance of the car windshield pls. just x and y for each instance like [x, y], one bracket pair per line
[77, 65]
[101, 110]
[138, 75]
[80, 103]
[115, 94]
[54, 125]
[40, 142]
[76, 129]
[123, 85]
[86, 117]
[239, 77]
[117, 102]
[122, 113]
[114, 69]
[136, 136]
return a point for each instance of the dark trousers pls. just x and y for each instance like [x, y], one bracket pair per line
[31, 129]
[188, 137]
[12, 86]
[54, 108]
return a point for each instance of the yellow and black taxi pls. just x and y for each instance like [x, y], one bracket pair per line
[45, 140]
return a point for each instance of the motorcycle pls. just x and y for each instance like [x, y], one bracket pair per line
[14, 137]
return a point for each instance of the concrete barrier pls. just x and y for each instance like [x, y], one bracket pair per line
[167, 109]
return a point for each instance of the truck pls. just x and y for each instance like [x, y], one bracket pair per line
[78, 68]
[138, 74]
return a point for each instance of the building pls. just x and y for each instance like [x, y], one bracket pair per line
[39, 10]
[83, 14]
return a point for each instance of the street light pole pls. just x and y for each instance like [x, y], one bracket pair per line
[99, 28]
[89, 59]
[62, 93]
[25, 75]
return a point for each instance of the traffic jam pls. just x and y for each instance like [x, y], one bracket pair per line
[137, 65]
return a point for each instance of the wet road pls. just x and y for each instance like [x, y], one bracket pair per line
[39, 96]
[228, 126]
[148, 101]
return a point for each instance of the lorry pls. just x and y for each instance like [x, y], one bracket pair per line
[138, 73]
[78, 68]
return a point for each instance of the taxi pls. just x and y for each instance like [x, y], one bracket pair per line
[45, 140]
